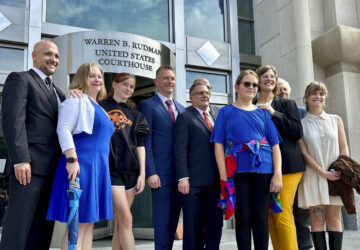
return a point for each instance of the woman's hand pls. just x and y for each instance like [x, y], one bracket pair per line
[267, 107]
[140, 185]
[223, 177]
[276, 183]
[330, 175]
[73, 169]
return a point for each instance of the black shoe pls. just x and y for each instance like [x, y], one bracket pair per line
[335, 240]
[319, 240]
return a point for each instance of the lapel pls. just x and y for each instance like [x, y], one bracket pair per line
[275, 103]
[198, 116]
[161, 107]
[213, 112]
[178, 106]
[45, 90]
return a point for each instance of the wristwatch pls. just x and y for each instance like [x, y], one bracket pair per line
[71, 160]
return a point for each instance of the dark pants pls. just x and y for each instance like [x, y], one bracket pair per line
[166, 205]
[251, 209]
[25, 226]
[202, 218]
[302, 223]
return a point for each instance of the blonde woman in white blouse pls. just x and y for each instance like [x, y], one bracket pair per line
[324, 140]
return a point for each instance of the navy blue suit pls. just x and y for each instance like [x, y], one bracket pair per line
[160, 160]
[195, 159]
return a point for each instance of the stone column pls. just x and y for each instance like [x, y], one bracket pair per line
[283, 39]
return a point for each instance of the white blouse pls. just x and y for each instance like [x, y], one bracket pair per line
[321, 139]
[76, 115]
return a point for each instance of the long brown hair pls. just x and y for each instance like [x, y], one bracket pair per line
[262, 70]
[81, 79]
[120, 77]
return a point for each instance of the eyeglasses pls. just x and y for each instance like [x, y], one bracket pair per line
[255, 85]
[268, 76]
[207, 93]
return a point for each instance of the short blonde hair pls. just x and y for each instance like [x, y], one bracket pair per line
[311, 88]
[81, 79]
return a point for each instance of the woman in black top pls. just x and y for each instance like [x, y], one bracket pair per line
[127, 156]
[286, 117]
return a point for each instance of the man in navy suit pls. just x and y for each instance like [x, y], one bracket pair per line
[197, 172]
[161, 111]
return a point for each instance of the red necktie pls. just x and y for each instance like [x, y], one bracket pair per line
[207, 121]
[171, 111]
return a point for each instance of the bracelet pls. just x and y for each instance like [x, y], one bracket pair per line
[318, 170]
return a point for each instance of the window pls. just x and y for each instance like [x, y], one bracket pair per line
[205, 19]
[218, 81]
[12, 59]
[14, 3]
[246, 27]
[142, 17]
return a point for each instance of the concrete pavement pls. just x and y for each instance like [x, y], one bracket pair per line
[351, 241]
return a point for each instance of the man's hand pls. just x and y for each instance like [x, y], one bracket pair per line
[75, 93]
[154, 181]
[184, 186]
[23, 173]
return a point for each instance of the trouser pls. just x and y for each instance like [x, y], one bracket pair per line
[302, 224]
[25, 226]
[202, 218]
[166, 205]
[251, 209]
[282, 225]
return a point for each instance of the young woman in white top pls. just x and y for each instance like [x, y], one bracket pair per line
[324, 140]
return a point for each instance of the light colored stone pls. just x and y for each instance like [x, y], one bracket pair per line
[329, 14]
[316, 18]
[319, 73]
[267, 22]
[296, 67]
[346, 13]
[282, 3]
[341, 43]
[287, 31]
[269, 53]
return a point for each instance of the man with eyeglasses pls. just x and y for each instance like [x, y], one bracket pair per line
[196, 170]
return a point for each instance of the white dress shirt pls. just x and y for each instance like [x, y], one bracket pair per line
[164, 99]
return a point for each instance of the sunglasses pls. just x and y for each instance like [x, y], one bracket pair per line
[252, 84]
[202, 93]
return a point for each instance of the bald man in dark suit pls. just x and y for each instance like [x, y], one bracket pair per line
[29, 110]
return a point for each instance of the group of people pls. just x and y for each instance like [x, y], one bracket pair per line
[256, 148]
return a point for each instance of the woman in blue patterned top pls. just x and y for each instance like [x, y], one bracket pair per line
[247, 152]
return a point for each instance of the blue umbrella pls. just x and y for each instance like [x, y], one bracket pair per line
[74, 193]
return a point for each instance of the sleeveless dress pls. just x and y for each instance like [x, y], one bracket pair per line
[321, 139]
[93, 156]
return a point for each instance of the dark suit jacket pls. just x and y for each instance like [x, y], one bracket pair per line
[288, 123]
[159, 141]
[29, 117]
[194, 154]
